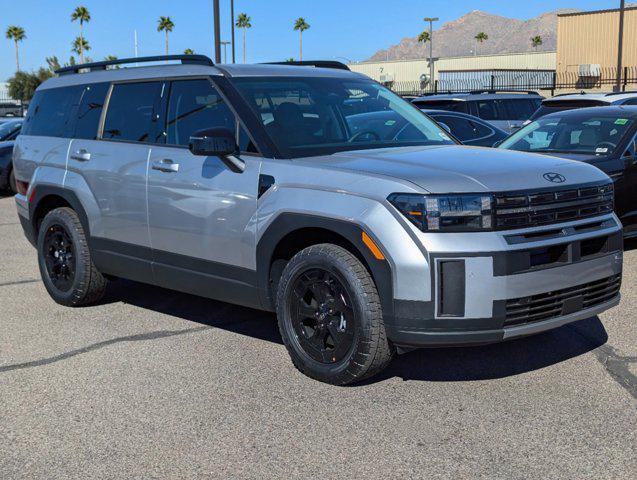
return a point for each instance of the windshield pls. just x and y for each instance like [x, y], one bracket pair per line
[7, 129]
[594, 135]
[317, 116]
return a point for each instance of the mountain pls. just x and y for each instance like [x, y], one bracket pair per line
[456, 38]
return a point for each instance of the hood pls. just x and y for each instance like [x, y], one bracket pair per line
[454, 168]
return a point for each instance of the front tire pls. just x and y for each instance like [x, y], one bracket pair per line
[66, 267]
[12, 185]
[330, 316]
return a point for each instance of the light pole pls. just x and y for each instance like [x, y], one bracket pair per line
[225, 53]
[215, 5]
[431, 21]
[232, 27]
[620, 46]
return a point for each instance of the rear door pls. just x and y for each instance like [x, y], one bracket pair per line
[110, 164]
[201, 214]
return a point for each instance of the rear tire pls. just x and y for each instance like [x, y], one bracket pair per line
[12, 185]
[66, 267]
[330, 317]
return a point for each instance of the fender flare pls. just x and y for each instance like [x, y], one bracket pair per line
[44, 191]
[287, 223]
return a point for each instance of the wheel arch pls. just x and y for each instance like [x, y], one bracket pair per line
[48, 198]
[291, 232]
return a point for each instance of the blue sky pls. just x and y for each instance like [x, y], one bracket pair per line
[349, 28]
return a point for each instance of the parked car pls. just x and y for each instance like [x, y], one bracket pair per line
[571, 101]
[468, 129]
[266, 186]
[9, 130]
[505, 110]
[601, 136]
[8, 109]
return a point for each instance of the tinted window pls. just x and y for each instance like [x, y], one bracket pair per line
[50, 112]
[9, 130]
[450, 105]
[90, 111]
[461, 128]
[130, 111]
[195, 105]
[521, 108]
[631, 101]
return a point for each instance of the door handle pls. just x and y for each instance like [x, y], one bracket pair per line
[166, 165]
[81, 155]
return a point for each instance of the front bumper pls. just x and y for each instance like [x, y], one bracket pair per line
[527, 282]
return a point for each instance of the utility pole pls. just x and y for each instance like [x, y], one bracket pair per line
[431, 21]
[232, 27]
[217, 31]
[620, 47]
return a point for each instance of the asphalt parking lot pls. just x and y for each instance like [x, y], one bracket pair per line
[157, 384]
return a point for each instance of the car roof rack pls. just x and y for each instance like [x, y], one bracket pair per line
[504, 90]
[313, 63]
[185, 59]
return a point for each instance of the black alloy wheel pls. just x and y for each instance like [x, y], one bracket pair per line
[322, 316]
[59, 257]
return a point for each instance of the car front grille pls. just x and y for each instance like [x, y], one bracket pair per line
[531, 209]
[549, 305]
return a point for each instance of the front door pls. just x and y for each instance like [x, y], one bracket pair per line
[201, 214]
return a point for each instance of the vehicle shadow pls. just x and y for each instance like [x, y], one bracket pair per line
[433, 364]
[630, 244]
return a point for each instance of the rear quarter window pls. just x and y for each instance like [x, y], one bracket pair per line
[50, 112]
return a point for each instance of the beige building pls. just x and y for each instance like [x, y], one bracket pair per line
[587, 41]
[411, 70]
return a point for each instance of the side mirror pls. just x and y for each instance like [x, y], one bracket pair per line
[213, 142]
[217, 142]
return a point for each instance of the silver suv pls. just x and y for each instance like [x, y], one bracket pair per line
[278, 188]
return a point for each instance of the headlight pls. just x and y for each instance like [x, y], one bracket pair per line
[446, 213]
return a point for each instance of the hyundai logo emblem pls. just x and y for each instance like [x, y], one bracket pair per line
[554, 177]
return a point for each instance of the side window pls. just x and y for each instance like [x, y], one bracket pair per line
[520, 108]
[480, 130]
[460, 127]
[631, 101]
[488, 109]
[195, 105]
[130, 111]
[50, 112]
[90, 111]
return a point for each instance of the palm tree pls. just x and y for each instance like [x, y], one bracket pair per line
[481, 37]
[82, 14]
[424, 37]
[301, 25]
[165, 24]
[189, 51]
[243, 21]
[79, 46]
[16, 34]
[536, 42]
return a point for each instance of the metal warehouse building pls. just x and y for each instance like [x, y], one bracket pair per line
[589, 40]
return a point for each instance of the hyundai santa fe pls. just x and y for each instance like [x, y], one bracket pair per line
[275, 187]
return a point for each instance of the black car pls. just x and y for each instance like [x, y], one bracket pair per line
[468, 129]
[9, 130]
[605, 137]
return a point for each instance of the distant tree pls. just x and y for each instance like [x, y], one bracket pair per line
[53, 63]
[82, 15]
[481, 37]
[243, 22]
[110, 58]
[301, 25]
[16, 34]
[165, 24]
[23, 84]
[79, 46]
[424, 37]
[189, 51]
[536, 41]
[291, 59]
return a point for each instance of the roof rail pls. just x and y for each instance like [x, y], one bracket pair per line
[185, 59]
[503, 90]
[314, 63]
